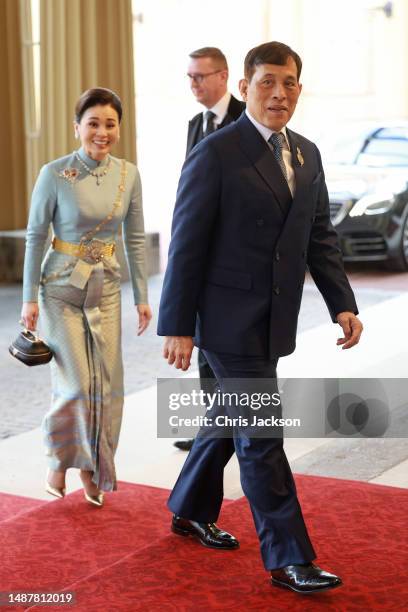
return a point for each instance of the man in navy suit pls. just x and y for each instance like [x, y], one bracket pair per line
[252, 212]
[208, 74]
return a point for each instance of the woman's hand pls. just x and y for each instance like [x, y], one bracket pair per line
[145, 314]
[29, 315]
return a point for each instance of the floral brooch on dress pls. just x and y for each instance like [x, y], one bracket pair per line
[69, 174]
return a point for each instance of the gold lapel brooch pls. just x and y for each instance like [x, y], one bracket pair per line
[299, 156]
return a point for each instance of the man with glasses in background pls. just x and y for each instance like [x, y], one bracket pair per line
[208, 74]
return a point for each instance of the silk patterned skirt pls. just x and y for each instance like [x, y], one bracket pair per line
[83, 328]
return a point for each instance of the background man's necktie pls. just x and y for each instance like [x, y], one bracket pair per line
[210, 128]
[277, 140]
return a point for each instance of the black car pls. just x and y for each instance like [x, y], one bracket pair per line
[367, 179]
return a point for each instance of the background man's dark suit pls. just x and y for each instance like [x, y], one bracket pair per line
[195, 125]
[236, 267]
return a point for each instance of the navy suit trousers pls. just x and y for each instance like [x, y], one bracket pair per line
[266, 477]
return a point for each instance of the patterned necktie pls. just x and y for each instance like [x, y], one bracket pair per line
[209, 116]
[276, 140]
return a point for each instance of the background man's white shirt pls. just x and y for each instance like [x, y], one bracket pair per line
[220, 110]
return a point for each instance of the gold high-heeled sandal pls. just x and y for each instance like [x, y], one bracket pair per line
[55, 491]
[95, 500]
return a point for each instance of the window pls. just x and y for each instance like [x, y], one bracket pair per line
[35, 46]
[32, 65]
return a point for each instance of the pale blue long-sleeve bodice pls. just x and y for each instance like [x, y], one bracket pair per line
[69, 199]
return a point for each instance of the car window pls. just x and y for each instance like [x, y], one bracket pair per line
[384, 151]
[393, 132]
[365, 145]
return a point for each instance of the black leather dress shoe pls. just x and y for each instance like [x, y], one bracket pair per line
[306, 578]
[184, 445]
[207, 533]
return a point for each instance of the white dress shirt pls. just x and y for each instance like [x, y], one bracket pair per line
[266, 133]
[220, 110]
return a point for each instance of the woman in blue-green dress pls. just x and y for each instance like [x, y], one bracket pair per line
[85, 197]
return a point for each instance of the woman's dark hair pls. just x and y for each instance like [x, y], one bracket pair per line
[95, 96]
[270, 53]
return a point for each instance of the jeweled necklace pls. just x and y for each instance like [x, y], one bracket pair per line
[97, 175]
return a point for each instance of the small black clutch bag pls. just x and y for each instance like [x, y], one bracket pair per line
[30, 350]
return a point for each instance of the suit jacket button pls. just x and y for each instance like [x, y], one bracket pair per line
[277, 256]
[276, 290]
[303, 254]
[259, 222]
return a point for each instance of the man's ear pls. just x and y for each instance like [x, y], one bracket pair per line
[224, 74]
[243, 89]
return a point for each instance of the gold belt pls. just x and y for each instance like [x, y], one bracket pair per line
[95, 250]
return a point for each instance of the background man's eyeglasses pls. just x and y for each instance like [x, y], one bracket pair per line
[199, 78]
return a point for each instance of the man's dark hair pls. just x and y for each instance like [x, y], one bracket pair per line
[214, 53]
[270, 53]
[97, 96]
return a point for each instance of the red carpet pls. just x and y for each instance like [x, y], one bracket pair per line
[123, 558]
[11, 505]
[68, 539]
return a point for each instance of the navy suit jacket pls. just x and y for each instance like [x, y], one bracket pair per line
[240, 245]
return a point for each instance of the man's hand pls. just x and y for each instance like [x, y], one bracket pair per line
[177, 350]
[352, 328]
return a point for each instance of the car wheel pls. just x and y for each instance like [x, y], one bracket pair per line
[399, 263]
